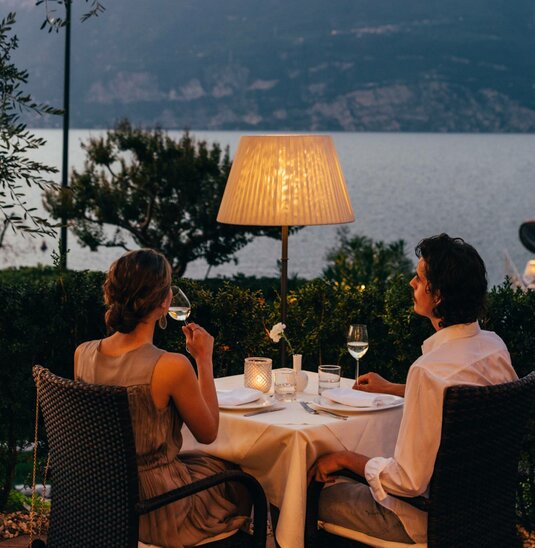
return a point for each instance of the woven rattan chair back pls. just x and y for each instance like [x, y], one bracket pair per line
[476, 472]
[92, 463]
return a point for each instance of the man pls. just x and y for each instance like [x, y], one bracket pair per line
[449, 288]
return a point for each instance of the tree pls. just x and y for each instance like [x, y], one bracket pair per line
[16, 168]
[359, 261]
[53, 22]
[164, 193]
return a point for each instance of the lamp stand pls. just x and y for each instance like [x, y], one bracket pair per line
[66, 111]
[284, 288]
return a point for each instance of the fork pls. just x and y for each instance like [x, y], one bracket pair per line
[308, 409]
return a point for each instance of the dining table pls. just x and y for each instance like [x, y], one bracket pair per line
[278, 448]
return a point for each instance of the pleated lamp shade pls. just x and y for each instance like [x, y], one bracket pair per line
[286, 180]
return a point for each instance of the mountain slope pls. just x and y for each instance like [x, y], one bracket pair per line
[376, 65]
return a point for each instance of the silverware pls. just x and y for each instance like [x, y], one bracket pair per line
[313, 411]
[269, 410]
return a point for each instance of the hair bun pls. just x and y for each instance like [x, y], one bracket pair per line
[121, 318]
[137, 283]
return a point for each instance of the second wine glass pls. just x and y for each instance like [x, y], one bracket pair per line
[180, 307]
[357, 344]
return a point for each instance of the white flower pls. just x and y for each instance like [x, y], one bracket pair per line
[277, 332]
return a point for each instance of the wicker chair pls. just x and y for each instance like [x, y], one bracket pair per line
[94, 473]
[474, 482]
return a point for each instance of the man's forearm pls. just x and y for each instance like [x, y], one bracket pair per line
[355, 462]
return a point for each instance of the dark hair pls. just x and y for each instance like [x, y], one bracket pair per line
[136, 284]
[455, 273]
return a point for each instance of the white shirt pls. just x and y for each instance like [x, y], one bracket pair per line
[459, 354]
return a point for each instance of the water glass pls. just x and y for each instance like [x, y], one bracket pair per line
[328, 377]
[285, 384]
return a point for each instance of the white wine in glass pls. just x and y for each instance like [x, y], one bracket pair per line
[180, 307]
[357, 344]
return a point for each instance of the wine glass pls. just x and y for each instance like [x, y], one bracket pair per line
[357, 343]
[180, 307]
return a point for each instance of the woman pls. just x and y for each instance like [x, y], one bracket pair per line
[163, 392]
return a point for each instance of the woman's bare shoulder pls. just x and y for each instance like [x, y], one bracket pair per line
[172, 365]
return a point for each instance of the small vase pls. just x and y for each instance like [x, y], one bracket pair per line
[300, 376]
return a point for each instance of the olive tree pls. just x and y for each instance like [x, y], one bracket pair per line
[358, 260]
[160, 192]
[17, 169]
[54, 22]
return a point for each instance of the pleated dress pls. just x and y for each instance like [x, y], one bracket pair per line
[161, 468]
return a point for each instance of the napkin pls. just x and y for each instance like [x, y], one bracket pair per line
[238, 396]
[356, 398]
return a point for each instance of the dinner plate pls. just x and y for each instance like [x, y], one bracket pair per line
[324, 403]
[262, 401]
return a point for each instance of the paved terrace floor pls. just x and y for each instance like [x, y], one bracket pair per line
[23, 541]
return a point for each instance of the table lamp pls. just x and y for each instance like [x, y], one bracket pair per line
[285, 180]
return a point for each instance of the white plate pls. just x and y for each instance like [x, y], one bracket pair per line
[263, 401]
[324, 403]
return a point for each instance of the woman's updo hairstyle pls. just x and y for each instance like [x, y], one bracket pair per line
[136, 284]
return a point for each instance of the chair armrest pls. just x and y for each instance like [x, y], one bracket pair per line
[254, 488]
[422, 503]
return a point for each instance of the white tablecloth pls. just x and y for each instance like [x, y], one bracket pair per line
[278, 448]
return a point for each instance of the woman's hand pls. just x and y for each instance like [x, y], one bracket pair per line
[199, 342]
[373, 382]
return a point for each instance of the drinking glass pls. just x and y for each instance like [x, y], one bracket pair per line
[180, 307]
[328, 377]
[357, 343]
[285, 384]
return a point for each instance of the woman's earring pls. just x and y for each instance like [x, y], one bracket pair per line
[162, 322]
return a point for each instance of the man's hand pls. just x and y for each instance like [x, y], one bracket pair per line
[373, 382]
[326, 465]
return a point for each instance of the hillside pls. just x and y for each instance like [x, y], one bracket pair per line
[314, 65]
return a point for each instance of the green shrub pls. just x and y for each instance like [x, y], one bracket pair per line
[45, 315]
[358, 260]
[17, 502]
[511, 313]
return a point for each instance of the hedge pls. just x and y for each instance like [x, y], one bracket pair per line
[46, 314]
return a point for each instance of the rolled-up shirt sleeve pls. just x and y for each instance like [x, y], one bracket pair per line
[409, 472]
[458, 354]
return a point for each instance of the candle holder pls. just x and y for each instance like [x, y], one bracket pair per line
[257, 373]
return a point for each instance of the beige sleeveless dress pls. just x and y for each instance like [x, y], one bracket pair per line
[158, 441]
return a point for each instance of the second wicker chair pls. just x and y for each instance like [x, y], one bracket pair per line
[474, 482]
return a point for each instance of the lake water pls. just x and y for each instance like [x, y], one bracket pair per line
[409, 186]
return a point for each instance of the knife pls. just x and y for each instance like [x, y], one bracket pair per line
[309, 409]
[270, 410]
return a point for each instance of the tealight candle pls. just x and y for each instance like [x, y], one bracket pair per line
[257, 373]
